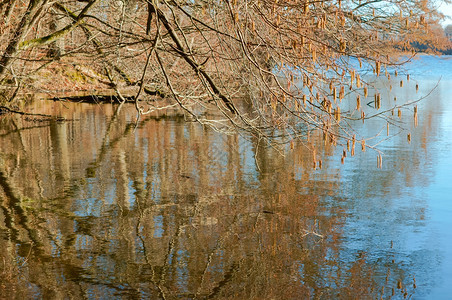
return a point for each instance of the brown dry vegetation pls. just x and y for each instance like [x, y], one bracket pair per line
[234, 65]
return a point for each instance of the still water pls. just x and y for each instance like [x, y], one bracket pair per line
[94, 208]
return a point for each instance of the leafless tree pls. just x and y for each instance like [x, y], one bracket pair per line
[276, 69]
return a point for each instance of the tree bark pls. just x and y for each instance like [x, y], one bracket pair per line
[19, 34]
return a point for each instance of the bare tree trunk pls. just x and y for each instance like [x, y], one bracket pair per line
[19, 34]
[56, 48]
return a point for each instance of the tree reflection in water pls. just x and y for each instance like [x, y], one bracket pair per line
[91, 208]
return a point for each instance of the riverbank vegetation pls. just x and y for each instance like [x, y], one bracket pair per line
[254, 66]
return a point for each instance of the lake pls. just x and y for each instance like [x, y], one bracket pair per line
[96, 207]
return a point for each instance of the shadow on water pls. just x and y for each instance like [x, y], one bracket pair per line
[91, 208]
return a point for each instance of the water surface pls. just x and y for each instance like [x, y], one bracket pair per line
[94, 208]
